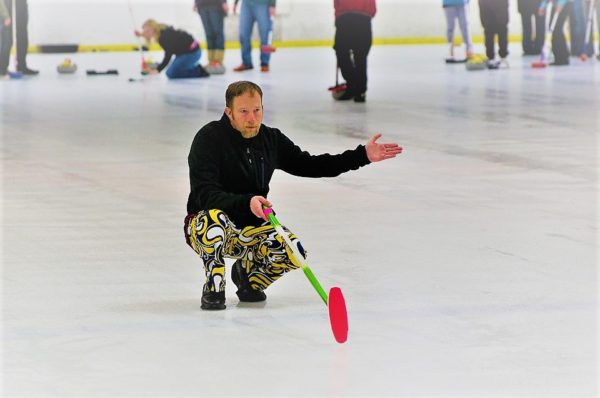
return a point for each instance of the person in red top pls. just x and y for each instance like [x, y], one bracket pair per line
[353, 39]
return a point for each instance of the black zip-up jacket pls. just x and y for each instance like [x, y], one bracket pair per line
[227, 170]
[174, 42]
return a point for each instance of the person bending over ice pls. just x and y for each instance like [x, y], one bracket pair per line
[174, 42]
[231, 162]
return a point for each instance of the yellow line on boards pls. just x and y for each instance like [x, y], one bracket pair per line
[380, 41]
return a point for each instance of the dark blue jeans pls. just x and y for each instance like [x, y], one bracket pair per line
[212, 20]
[185, 65]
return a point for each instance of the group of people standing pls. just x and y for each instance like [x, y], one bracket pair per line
[494, 15]
[353, 39]
[212, 14]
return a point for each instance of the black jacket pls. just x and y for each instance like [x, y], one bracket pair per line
[174, 42]
[528, 6]
[227, 170]
[210, 4]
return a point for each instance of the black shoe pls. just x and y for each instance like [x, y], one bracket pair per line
[561, 63]
[348, 95]
[360, 97]
[202, 72]
[27, 71]
[212, 300]
[245, 292]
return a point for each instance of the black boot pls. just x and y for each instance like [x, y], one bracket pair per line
[202, 72]
[27, 71]
[360, 97]
[245, 291]
[212, 300]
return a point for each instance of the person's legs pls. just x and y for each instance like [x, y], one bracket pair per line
[503, 41]
[261, 251]
[576, 27]
[362, 39]
[246, 23]
[490, 50]
[217, 17]
[540, 33]
[342, 46]
[22, 19]
[185, 66]
[263, 254]
[209, 32]
[588, 47]
[527, 42]
[263, 19]
[559, 42]
[216, 225]
[501, 26]
[598, 22]
[6, 42]
[451, 15]
[486, 14]
[463, 22]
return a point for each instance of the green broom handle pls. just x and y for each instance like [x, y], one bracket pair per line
[299, 258]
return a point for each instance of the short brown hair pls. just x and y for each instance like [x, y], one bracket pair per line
[236, 89]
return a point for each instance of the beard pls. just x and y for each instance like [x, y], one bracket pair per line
[247, 132]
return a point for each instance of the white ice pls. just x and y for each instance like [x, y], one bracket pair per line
[469, 263]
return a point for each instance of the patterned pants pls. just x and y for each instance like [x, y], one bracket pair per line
[264, 255]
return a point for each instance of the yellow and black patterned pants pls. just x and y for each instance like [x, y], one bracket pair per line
[264, 255]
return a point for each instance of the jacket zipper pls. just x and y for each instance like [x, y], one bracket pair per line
[262, 172]
[261, 166]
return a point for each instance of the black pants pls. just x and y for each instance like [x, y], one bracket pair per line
[560, 49]
[494, 18]
[353, 35]
[532, 44]
[20, 17]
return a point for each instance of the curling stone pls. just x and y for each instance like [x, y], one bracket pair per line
[67, 66]
[476, 62]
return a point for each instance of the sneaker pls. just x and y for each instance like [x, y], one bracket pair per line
[264, 68]
[10, 75]
[215, 68]
[245, 291]
[27, 71]
[492, 64]
[242, 68]
[503, 63]
[212, 300]
[360, 97]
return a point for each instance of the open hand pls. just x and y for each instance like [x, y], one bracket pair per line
[377, 152]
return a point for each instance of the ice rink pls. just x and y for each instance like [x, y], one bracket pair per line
[469, 263]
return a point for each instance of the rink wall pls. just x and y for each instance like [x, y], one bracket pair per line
[108, 25]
